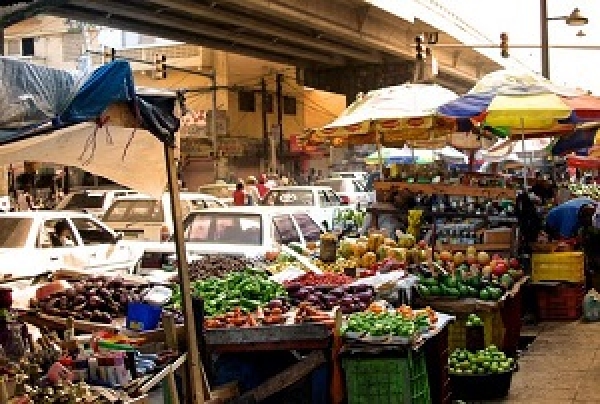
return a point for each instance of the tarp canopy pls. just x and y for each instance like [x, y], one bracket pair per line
[101, 124]
[37, 99]
[139, 165]
[581, 139]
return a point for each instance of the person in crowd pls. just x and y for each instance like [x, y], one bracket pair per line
[62, 235]
[564, 221]
[262, 186]
[25, 201]
[252, 191]
[284, 181]
[239, 195]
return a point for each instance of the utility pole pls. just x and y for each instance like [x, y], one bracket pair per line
[279, 83]
[264, 97]
[544, 35]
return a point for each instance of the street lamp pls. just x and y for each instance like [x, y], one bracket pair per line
[575, 19]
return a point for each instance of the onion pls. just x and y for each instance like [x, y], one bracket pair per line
[361, 287]
[347, 301]
[275, 303]
[329, 299]
[364, 296]
[313, 299]
[339, 292]
[303, 293]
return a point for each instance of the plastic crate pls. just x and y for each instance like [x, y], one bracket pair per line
[387, 380]
[561, 266]
[480, 387]
[493, 329]
[560, 302]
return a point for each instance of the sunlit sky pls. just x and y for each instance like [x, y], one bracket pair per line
[521, 20]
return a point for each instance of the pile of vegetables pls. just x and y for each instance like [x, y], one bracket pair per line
[485, 361]
[237, 318]
[463, 284]
[313, 279]
[351, 299]
[248, 290]
[216, 266]
[386, 324]
[96, 299]
[309, 314]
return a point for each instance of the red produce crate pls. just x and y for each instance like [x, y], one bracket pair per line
[560, 302]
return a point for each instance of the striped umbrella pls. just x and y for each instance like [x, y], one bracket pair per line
[400, 113]
[522, 101]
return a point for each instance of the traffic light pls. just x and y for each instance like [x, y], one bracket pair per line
[504, 45]
[419, 47]
[160, 64]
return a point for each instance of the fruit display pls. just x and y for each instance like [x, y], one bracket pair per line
[472, 275]
[217, 266]
[282, 262]
[386, 324]
[585, 190]
[352, 217]
[248, 290]
[414, 222]
[313, 279]
[350, 299]
[485, 361]
[473, 320]
[237, 318]
[96, 299]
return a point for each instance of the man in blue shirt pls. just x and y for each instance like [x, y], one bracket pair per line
[564, 221]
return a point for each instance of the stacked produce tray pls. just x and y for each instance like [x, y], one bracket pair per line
[386, 378]
[560, 266]
[562, 301]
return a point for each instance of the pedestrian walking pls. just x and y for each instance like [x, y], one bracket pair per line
[252, 191]
[239, 195]
[262, 186]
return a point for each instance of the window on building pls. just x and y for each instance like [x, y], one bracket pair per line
[246, 101]
[289, 105]
[13, 47]
[269, 103]
[27, 47]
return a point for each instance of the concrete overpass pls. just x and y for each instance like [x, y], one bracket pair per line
[345, 46]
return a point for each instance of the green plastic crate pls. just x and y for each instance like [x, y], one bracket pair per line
[385, 380]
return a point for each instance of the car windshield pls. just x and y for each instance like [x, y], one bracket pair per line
[289, 197]
[14, 231]
[223, 228]
[135, 210]
[84, 200]
[338, 185]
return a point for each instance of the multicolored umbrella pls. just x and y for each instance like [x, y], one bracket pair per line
[400, 113]
[522, 101]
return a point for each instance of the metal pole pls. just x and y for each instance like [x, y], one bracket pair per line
[544, 35]
[278, 89]
[213, 124]
[265, 127]
[1, 40]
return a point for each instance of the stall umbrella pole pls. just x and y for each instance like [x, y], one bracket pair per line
[525, 166]
[195, 379]
[379, 155]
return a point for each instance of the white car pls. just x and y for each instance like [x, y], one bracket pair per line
[321, 203]
[357, 175]
[250, 231]
[140, 217]
[28, 246]
[94, 202]
[351, 191]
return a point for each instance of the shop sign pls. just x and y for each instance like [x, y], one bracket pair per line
[193, 124]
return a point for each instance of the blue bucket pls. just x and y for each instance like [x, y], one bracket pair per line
[143, 316]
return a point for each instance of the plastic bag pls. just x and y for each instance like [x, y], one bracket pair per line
[591, 306]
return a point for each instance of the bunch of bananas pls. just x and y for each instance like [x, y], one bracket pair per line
[414, 222]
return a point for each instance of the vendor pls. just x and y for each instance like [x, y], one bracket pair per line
[565, 220]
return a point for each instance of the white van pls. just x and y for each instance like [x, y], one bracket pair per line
[143, 218]
[94, 202]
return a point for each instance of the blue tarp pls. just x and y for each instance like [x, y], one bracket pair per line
[109, 84]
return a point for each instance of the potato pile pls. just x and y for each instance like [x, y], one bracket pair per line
[96, 299]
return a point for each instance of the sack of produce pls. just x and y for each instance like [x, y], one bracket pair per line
[591, 306]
